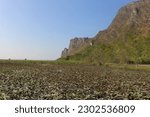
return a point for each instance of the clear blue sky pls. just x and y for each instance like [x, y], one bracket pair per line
[41, 29]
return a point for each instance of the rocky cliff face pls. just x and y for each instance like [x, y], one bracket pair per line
[132, 19]
[76, 45]
[64, 53]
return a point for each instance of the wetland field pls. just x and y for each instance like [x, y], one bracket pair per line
[27, 80]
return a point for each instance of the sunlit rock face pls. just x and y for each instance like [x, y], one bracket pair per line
[132, 19]
[76, 45]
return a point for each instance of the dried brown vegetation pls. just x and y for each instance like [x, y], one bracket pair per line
[49, 81]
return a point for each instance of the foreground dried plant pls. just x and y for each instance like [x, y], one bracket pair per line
[48, 81]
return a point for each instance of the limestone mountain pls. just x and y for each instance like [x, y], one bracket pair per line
[76, 45]
[126, 40]
[133, 19]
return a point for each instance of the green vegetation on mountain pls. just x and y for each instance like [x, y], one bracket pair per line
[132, 50]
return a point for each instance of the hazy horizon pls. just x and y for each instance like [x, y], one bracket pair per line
[40, 30]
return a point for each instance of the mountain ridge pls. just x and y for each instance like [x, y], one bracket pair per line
[127, 39]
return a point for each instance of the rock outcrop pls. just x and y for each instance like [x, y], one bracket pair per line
[76, 45]
[64, 53]
[132, 19]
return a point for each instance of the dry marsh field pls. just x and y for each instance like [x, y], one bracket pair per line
[43, 80]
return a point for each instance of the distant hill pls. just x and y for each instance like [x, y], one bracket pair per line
[126, 40]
